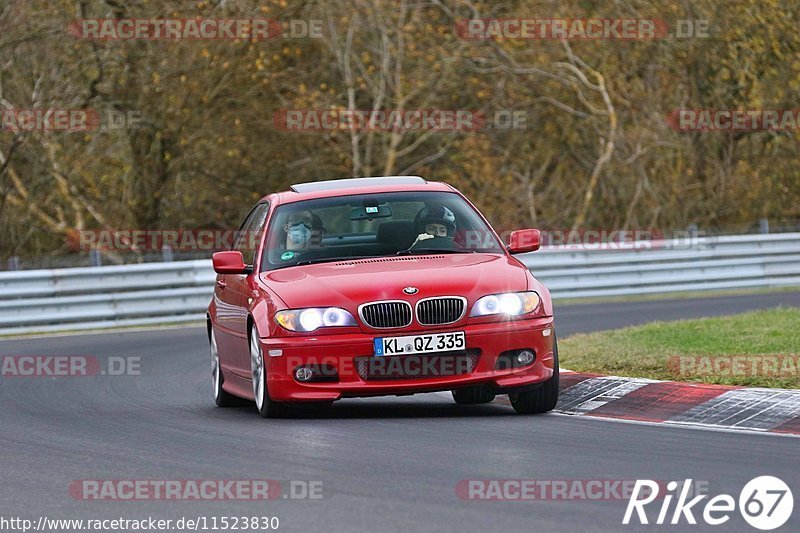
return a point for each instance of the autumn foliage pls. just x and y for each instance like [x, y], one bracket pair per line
[576, 132]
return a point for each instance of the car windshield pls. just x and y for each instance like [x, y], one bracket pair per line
[375, 225]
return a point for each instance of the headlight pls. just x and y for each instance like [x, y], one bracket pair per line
[510, 303]
[314, 318]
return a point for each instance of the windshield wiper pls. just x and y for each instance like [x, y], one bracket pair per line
[334, 259]
[421, 251]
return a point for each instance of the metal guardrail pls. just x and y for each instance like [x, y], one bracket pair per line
[718, 263]
[97, 297]
[163, 293]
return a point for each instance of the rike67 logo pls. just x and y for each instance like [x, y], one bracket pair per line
[766, 503]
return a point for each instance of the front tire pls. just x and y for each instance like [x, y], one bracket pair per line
[221, 397]
[267, 407]
[543, 398]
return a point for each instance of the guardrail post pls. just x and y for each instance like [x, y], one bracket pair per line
[763, 226]
[95, 259]
[166, 253]
[13, 262]
[692, 232]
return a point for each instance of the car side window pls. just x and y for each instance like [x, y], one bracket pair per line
[247, 237]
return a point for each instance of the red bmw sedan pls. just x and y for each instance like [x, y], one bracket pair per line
[378, 286]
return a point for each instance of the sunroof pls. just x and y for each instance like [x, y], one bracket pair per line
[329, 185]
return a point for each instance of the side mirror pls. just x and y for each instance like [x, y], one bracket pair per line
[229, 263]
[524, 240]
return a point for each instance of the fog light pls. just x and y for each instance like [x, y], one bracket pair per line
[303, 374]
[526, 357]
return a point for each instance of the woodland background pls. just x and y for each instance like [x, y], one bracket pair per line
[597, 151]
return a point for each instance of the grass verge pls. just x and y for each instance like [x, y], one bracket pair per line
[683, 295]
[756, 349]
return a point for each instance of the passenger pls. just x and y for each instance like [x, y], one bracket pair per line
[299, 231]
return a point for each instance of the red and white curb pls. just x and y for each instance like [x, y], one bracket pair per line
[680, 404]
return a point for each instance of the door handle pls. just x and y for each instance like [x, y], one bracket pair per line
[221, 284]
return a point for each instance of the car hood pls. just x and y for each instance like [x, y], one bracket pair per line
[350, 283]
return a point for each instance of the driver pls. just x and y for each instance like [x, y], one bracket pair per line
[299, 231]
[435, 222]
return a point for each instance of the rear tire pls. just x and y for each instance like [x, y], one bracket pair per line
[473, 395]
[267, 407]
[543, 398]
[221, 397]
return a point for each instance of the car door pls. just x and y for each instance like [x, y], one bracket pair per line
[233, 292]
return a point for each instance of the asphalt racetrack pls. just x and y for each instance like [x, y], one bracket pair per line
[386, 464]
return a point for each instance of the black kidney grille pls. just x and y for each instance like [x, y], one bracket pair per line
[433, 311]
[387, 314]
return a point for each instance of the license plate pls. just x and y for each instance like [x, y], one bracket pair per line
[413, 344]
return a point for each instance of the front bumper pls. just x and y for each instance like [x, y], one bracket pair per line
[341, 352]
